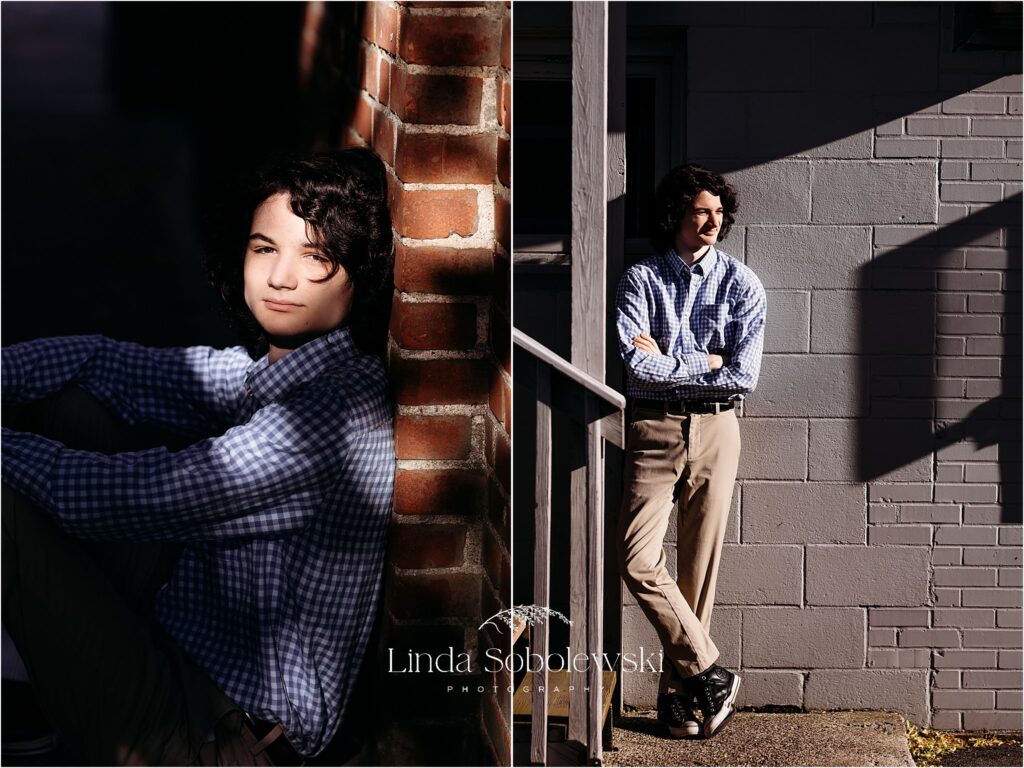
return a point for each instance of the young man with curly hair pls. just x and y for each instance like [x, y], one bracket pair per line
[690, 323]
[210, 603]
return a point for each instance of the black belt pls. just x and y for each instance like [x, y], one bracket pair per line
[685, 406]
[272, 741]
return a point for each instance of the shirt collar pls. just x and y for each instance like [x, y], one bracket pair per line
[703, 267]
[269, 381]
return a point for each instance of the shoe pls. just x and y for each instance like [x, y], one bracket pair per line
[715, 690]
[676, 712]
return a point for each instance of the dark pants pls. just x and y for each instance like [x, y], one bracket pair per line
[115, 687]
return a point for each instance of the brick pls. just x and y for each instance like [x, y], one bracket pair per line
[1006, 126]
[1009, 618]
[384, 136]
[899, 492]
[882, 513]
[969, 192]
[992, 638]
[963, 699]
[899, 534]
[949, 473]
[502, 221]
[1009, 700]
[760, 575]
[946, 720]
[427, 546]
[1009, 659]
[432, 437]
[970, 148]
[974, 721]
[504, 161]
[797, 513]
[1008, 171]
[809, 385]
[505, 106]
[968, 451]
[964, 577]
[898, 617]
[436, 99]
[928, 638]
[443, 158]
[443, 270]
[990, 679]
[938, 126]
[898, 658]
[381, 25]
[953, 659]
[968, 366]
[974, 104]
[929, 513]
[946, 679]
[852, 575]
[951, 302]
[906, 147]
[1014, 149]
[996, 598]
[991, 556]
[440, 382]
[881, 637]
[1009, 577]
[452, 40]
[956, 170]
[430, 325]
[765, 688]
[429, 596]
[966, 493]
[1011, 535]
[982, 473]
[874, 193]
[947, 556]
[989, 514]
[803, 637]
[967, 324]
[965, 535]
[891, 128]
[982, 302]
[773, 450]
[904, 691]
[438, 491]
[501, 339]
[964, 617]
[436, 213]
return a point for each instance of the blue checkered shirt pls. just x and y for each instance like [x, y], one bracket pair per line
[716, 307]
[283, 501]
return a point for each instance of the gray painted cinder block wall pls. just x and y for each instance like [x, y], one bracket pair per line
[873, 557]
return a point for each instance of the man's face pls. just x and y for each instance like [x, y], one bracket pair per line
[281, 265]
[701, 223]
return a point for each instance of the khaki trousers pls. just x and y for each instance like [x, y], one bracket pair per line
[115, 687]
[691, 459]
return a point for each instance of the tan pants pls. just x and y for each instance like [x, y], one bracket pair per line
[692, 459]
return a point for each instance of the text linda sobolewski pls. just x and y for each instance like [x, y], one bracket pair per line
[447, 662]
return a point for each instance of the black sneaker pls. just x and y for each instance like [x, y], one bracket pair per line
[715, 690]
[676, 712]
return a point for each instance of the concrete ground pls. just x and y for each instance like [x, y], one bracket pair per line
[854, 738]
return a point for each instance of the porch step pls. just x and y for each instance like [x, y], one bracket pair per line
[558, 697]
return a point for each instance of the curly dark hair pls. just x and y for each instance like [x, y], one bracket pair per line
[343, 196]
[676, 193]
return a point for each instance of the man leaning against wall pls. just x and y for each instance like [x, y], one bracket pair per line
[690, 323]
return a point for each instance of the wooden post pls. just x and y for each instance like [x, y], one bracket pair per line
[541, 560]
[595, 579]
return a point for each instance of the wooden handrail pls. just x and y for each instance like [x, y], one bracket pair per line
[563, 366]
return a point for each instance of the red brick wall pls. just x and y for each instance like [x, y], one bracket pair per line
[435, 105]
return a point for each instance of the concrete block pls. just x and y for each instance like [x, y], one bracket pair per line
[789, 329]
[784, 59]
[798, 513]
[809, 386]
[874, 193]
[851, 575]
[773, 449]
[850, 450]
[900, 691]
[855, 60]
[727, 133]
[761, 689]
[808, 257]
[824, 130]
[774, 193]
[803, 637]
[760, 575]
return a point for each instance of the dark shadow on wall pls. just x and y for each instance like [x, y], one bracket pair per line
[915, 403]
[122, 124]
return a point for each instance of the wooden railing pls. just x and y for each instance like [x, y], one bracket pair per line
[597, 414]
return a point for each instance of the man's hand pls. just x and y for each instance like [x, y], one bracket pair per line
[645, 343]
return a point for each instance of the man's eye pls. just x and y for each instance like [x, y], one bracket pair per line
[318, 258]
[263, 249]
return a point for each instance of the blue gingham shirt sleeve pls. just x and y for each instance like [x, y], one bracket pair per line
[632, 318]
[748, 318]
[189, 390]
[262, 478]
